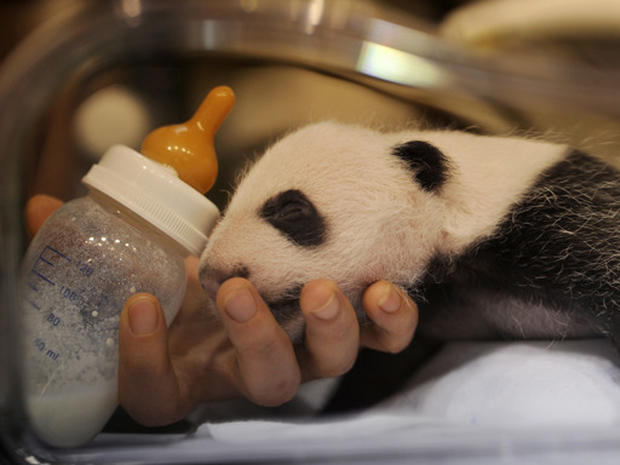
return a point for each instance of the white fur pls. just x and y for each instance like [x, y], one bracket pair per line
[381, 224]
[490, 174]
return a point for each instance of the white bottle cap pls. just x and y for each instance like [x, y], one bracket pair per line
[154, 192]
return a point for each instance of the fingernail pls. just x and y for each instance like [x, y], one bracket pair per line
[143, 316]
[329, 308]
[390, 300]
[240, 305]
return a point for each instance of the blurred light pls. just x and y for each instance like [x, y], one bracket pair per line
[249, 5]
[315, 13]
[112, 115]
[397, 66]
[210, 34]
[132, 8]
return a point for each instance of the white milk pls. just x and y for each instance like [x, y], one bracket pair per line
[72, 418]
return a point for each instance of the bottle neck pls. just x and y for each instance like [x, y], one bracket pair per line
[133, 219]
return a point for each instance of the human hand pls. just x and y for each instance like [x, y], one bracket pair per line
[164, 373]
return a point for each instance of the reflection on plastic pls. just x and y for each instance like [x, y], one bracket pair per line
[397, 66]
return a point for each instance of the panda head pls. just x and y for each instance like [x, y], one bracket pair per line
[330, 201]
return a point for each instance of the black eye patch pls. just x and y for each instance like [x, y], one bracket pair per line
[292, 213]
[428, 163]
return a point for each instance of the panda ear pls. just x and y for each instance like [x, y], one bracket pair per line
[428, 164]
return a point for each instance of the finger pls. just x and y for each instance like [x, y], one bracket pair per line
[38, 209]
[332, 331]
[267, 369]
[148, 386]
[196, 299]
[395, 318]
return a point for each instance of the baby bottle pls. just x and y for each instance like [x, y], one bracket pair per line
[130, 234]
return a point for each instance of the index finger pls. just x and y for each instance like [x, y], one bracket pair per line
[267, 369]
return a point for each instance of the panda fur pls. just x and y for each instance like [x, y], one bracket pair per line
[494, 237]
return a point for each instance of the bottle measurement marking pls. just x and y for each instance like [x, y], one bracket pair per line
[43, 277]
[49, 256]
[53, 319]
[70, 294]
[85, 268]
[47, 261]
[51, 354]
[43, 271]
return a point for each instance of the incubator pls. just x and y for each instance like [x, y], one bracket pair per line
[290, 62]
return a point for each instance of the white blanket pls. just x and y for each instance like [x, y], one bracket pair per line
[521, 384]
[527, 402]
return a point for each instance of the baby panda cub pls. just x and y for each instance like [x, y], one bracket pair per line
[493, 237]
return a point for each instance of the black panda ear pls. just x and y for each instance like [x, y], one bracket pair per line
[428, 164]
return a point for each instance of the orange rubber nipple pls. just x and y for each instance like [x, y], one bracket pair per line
[188, 147]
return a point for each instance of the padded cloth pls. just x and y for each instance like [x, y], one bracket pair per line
[483, 403]
[520, 384]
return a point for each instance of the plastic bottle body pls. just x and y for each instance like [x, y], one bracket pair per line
[86, 260]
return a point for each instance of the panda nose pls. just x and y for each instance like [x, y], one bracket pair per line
[211, 279]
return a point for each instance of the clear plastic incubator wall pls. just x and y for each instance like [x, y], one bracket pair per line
[100, 74]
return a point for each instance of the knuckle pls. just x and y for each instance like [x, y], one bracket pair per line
[394, 348]
[336, 367]
[260, 349]
[276, 393]
[260, 342]
[148, 419]
[149, 414]
[394, 344]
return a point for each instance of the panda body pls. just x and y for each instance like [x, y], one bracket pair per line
[494, 237]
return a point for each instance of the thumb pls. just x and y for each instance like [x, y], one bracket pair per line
[38, 209]
[147, 383]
